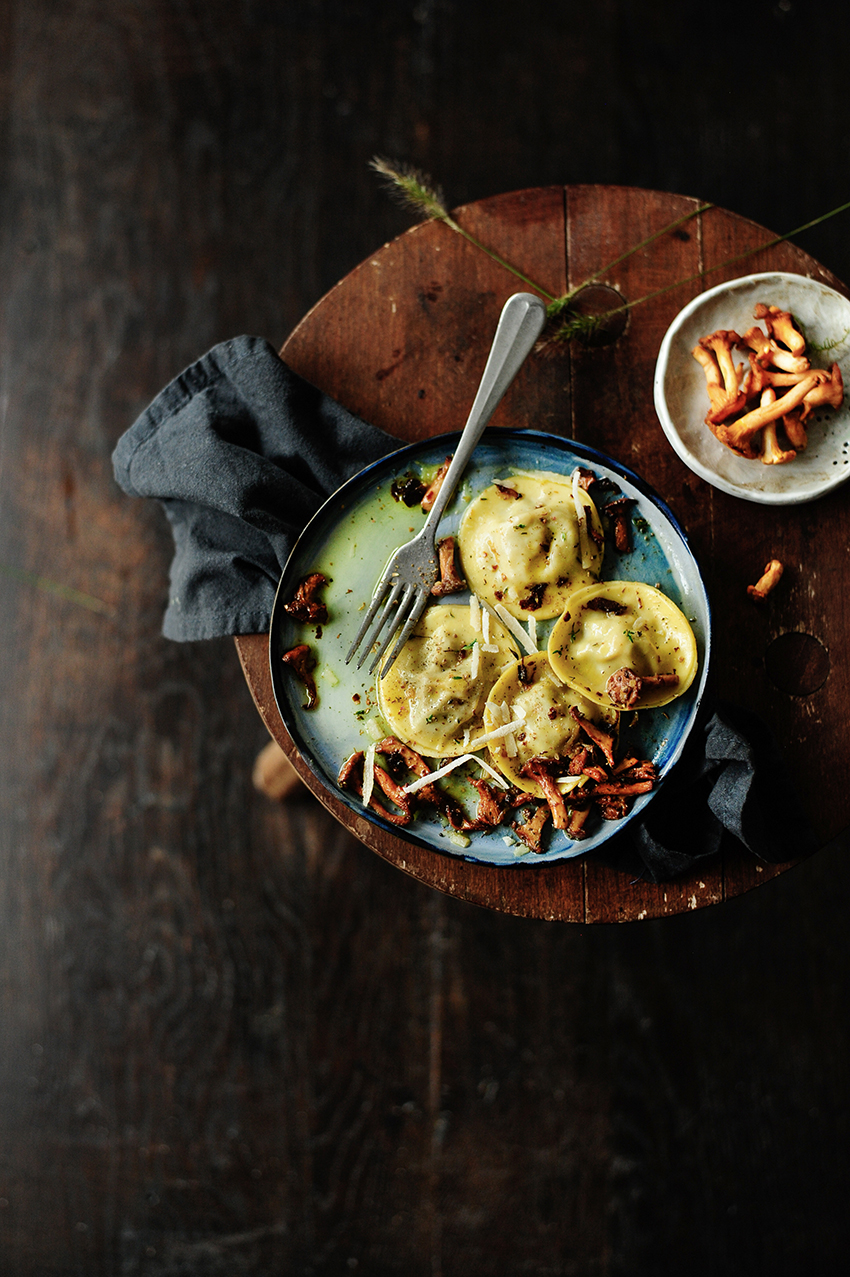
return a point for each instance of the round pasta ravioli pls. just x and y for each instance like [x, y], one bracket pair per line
[625, 645]
[433, 697]
[529, 541]
[529, 694]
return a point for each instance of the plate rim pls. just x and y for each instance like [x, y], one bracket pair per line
[587, 453]
[669, 427]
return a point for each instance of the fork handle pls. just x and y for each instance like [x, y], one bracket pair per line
[520, 324]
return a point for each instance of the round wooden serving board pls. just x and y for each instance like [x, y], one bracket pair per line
[402, 341]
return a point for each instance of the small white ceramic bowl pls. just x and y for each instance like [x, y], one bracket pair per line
[681, 399]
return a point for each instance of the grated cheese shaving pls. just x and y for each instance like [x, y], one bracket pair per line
[581, 519]
[500, 780]
[374, 729]
[518, 631]
[368, 774]
[449, 767]
[567, 784]
[498, 733]
[438, 774]
[476, 660]
[474, 612]
[510, 739]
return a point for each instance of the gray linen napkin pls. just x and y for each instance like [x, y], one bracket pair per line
[241, 452]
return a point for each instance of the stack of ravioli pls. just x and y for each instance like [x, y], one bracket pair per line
[531, 549]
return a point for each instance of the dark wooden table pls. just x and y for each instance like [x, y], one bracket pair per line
[401, 341]
[233, 1040]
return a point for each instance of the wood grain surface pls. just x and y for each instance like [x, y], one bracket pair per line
[233, 1040]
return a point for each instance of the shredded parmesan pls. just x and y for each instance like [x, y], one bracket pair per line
[485, 623]
[581, 519]
[438, 774]
[532, 630]
[567, 784]
[500, 780]
[449, 767]
[368, 774]
[512, 624]
[474, 612]
[498, 733]
[476, 660]
[510, 739]
[374, 729]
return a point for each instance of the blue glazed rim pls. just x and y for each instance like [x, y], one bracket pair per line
[502, 442]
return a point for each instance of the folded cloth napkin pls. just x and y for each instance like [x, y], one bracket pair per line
[241, 452]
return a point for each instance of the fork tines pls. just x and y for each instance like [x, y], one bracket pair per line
[417, 599]
[404, 606]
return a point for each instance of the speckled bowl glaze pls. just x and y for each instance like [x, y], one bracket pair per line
[681, 400]
[350, 539]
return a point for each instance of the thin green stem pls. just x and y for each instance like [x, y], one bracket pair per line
[55, 587]
[559, 303]
[729, 261]
[455, 226]
[665, 230]
[417, 192]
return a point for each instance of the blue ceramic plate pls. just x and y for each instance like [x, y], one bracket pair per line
[350, 539]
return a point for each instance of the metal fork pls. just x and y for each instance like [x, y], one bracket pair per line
[405, 586]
